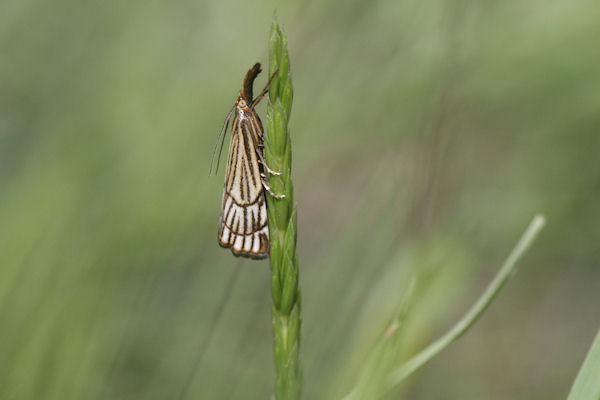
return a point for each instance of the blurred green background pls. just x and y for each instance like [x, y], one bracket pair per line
[426, 135]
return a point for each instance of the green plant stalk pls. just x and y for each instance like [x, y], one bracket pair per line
[507, 269]
[282, 224]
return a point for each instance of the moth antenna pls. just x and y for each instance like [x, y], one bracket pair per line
[220, 138]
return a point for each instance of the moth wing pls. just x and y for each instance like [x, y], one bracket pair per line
[243, 223]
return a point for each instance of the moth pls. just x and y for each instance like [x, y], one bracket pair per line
[243, 221]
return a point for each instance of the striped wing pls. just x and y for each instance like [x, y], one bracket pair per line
[243, 223]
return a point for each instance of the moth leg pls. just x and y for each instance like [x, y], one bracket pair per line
[268, 188]
[264, 163]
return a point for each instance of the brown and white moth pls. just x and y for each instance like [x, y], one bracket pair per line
[243, 221]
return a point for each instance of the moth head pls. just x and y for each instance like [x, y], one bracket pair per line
[242, 104]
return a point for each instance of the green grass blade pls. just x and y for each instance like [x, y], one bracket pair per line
[476, 310]
[587, 383]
